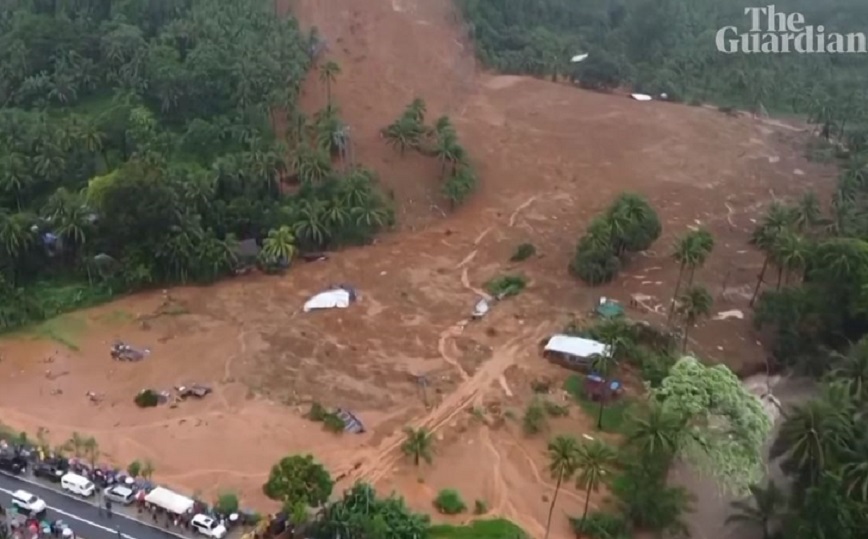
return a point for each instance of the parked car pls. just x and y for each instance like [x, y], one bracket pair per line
[12, 463]
[208, 526]
[49, 470]
[77, 484]
[120, 494]
[28, 503]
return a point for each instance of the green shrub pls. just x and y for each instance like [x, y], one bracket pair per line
[480, 507]
[333, 423]
[523, 252]
[595, 265]
[506, 285]
[317, 412]
[134, 468]
[534, 420]
[147, 398]
[227, 503]
[449, 502]
[555, 410]
[602, 525]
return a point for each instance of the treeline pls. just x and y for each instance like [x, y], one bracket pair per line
[668, 46]
[138, 146]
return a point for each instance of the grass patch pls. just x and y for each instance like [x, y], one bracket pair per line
[506, 285]
[117, 317]
[616, 414]
[61, 329]
[498, 528]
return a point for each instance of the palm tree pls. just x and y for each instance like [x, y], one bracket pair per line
[691, 252]
[694, 304]
[91, 450]
[809, 436]
[790, 254]
[807, 213]
[449, 152]
[328, 73]
[563, 452]
[459, 185]
[593, 462]
[312, 165]
[765, 236]
[76, 444]
[603, 365]
[416, 110]
[657, 432]
[279, 246]
[147, 470]
[764, 507]
[403, 133]
[418, 445]
[310, 225]
[853, 370]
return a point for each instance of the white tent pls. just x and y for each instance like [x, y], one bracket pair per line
[170, 501]
[576, 347]
[330, 299]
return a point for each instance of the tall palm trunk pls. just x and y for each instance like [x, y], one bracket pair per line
[684, 339]
[552, 506]
[780, 278]
[600, 413]
[759, 281]
[675, 294]
[587, 505]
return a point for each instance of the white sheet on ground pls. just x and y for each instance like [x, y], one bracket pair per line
[641, 97]
[330, 299]
[578, 58]
[481, 308]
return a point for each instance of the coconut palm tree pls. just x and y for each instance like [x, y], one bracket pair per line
[418, 445]
[790, 254]
[328, 74]
[459, 185]
[809, 437]
[147, 469]
[693, 305]
[603, 365]
[762, 510]
[594, 461]
[765, 236]
[563, 453]
[279, 246]
[807, 214]
[659, 431]
[312, 165]
[404, 133]
[852, 369]
[416, 110]
[91, 450]
[691, 252]
[449, 152]
[76, 444]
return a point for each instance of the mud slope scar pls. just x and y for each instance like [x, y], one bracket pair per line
[550, 158]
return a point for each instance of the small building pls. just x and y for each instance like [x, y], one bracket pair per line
[574, 352]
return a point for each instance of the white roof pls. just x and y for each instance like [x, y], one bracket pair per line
[576, 346]
[170, 501]
[330, 299]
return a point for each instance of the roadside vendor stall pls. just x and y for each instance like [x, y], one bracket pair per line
[169, 501]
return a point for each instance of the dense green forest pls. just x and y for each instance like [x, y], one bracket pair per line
[140, 141]
[658, 46]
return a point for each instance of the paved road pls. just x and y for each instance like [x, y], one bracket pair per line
[82, 516]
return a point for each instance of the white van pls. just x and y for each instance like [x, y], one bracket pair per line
[77, 485]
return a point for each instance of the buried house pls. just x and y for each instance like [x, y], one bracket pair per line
[574, 352]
